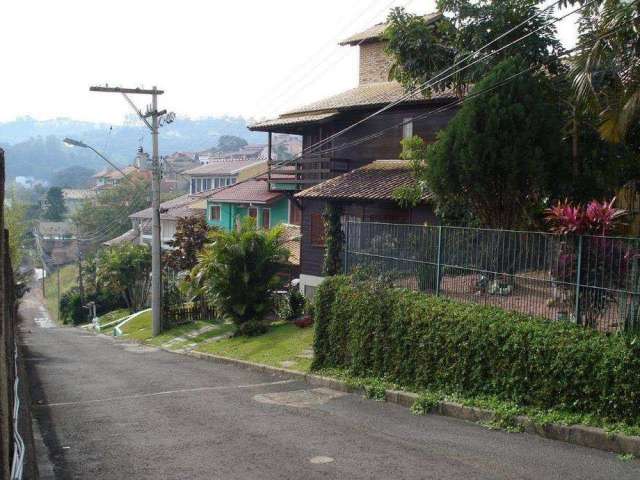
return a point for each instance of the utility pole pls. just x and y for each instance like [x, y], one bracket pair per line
[80, 281]
[156, 265]
[58, 273]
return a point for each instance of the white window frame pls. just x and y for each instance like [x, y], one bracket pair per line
[407, 128]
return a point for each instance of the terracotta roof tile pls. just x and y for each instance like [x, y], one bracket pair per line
[375, 181]
[254, 191]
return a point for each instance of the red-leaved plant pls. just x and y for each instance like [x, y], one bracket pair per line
[597, 218]
[604, 260]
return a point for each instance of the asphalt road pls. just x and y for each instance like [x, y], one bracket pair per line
[109, 410]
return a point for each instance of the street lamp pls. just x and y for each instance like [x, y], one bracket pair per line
[77, 143]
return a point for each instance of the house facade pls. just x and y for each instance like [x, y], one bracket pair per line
[250, 198]
[222, 173]
[367, 139]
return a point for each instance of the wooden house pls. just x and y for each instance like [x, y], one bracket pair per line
[366, 140]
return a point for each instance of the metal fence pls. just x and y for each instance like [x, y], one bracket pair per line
[589, 280]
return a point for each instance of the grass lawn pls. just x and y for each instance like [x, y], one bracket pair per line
[112, 317]
[68, 280]
[282, 343]
[140, 329]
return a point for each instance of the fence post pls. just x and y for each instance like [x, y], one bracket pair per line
[578, 280]
[439, 260]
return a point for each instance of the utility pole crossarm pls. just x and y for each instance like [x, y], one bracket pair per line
[132, 91]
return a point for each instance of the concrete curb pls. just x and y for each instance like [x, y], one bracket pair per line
[575, 434]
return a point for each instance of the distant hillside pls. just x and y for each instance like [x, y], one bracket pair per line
[34, 148]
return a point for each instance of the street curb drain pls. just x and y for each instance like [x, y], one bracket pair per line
[575, 434]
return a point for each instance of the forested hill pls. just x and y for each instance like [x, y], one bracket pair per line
[34, 148]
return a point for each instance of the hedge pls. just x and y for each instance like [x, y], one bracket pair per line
[423, 341]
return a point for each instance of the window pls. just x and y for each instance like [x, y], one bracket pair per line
[217, 183]
[295, 215]
[207, 184]
[193, 186]
[266, 218]
[253, 212]
[199, 185]
[317, 230]
[407, 128]
[233, 180]
[214, 213]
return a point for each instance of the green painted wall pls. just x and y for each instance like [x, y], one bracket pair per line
[230, 211]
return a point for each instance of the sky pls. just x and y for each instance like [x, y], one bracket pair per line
[251, 58]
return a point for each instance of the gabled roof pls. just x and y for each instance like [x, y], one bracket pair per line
[183, 206]
[223, 167]
[376, 32]
[249, 191]
[369, 95]
[375, 181]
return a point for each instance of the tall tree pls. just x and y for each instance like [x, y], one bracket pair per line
[501, 155]
[422, 50]
[107, 216]
[126, 270]
[55, 208]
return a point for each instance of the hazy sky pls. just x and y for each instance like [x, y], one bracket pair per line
[253, 58]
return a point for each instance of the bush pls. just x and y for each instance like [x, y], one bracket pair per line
[71, 311]
[426, 342]
[290, 306]
[238, 271]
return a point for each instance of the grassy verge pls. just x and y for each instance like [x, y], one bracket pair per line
[139, 329]
[284, 345]
[112, 317]
[505, 412]
[68, 280]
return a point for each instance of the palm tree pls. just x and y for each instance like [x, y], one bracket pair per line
[238, 270]
[606, 70]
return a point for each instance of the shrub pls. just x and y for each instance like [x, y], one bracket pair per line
[71, 311]
[238, 271]
[432, 343]
[290, 306]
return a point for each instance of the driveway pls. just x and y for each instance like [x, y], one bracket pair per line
[111, 410]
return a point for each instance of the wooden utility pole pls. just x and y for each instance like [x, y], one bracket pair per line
[156, 252]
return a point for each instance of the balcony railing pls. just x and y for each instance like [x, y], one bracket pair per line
[304, 172]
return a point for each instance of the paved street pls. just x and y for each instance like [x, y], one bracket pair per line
[110, 410]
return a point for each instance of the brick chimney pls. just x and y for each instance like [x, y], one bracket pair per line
[375, 64]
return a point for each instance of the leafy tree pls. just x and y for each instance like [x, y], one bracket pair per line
[189, 239]
[107, 216]
[423, 51]
[15, 220]
[126, 269]
[56, 208]
[230, 143]
[501, 154]
[239, 272]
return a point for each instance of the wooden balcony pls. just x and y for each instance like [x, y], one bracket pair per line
[304, 172]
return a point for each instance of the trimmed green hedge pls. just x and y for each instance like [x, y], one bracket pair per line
[426, 342]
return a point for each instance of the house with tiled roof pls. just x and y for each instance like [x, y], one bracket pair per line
[250, 198]
[351, 169]
[222, 173]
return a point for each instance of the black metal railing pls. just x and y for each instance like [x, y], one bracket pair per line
[589, 280]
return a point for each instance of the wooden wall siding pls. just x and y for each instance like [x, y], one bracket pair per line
[385, 147]
[312, 257]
